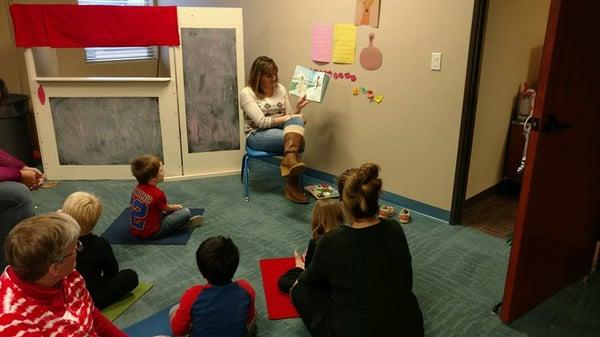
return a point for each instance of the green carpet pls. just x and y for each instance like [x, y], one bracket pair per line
[458, 272]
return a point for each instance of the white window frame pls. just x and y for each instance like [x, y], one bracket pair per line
[118, 54]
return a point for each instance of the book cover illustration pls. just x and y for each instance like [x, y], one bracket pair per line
[322, 191]
[308, 82]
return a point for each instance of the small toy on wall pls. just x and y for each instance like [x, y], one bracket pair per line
[371, 57]
[370, 94]
[338, 75]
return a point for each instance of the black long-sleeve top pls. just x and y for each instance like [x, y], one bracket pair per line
[96, 260]
[310, 252]
[368, 272]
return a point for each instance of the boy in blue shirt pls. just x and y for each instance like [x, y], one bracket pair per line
[221, 308]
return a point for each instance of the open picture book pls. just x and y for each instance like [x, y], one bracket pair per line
[309, 82]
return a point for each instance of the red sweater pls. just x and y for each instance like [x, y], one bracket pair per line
[146, 206]
[31, 310]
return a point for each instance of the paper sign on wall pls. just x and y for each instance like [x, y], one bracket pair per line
[321, 42]
[344, 43]
[367, 13]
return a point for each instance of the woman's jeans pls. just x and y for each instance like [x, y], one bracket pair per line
[271, 139]
[15, 205]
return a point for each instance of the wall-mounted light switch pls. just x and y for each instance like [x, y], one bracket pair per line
[436, 61]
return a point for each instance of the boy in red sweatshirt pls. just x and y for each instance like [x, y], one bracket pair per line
[151, 216]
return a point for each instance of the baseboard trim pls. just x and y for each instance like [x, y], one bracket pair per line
[417, 206]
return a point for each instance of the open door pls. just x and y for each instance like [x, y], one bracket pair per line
[558, 215]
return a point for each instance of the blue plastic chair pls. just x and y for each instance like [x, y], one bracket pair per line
[252, 154]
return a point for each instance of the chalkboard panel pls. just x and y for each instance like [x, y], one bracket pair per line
[105, 130]
[211, 93]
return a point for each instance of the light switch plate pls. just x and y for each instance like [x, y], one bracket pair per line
[436, 61]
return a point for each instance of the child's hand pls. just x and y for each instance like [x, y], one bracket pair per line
[176, 207]
[299, 259]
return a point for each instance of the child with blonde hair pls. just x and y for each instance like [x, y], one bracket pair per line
[327, 215]
[96, 261]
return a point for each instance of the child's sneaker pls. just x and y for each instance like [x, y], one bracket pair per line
[386, 211]
[193, 222]
[404, 216]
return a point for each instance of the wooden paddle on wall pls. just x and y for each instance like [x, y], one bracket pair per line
[371, 57]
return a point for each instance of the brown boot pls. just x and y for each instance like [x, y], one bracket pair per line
[293, 190]
[293, 143]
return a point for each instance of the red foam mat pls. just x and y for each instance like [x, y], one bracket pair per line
[279, 304]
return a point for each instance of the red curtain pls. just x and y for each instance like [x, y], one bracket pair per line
[73, 26]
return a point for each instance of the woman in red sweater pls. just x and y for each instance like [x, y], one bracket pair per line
[40, 290]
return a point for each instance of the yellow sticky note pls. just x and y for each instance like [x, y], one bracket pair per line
[344, 43]
[355, 91]
[378, 99]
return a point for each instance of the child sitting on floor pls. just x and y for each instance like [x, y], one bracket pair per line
[96, 261]
[221, 308]
[151, 216]
[327, 215]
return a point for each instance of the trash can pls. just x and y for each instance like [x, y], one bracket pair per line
[14, 128]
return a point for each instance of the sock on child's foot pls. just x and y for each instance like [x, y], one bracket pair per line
[193, 222]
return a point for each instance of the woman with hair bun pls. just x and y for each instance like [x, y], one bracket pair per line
[360, 280]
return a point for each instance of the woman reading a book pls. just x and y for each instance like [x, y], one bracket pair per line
[273, 124]
[360, 280]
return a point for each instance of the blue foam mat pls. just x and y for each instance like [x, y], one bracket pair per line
[118, 232]
[157, 324]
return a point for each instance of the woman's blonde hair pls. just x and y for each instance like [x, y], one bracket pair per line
[327, 215]
[85, 208]
[38, 242]
[261, 66]
[360, 194]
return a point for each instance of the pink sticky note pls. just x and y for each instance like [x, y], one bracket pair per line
[321, 42]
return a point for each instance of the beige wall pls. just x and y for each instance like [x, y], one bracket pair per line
[512, 53]
[413, 134]
[12, 64]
